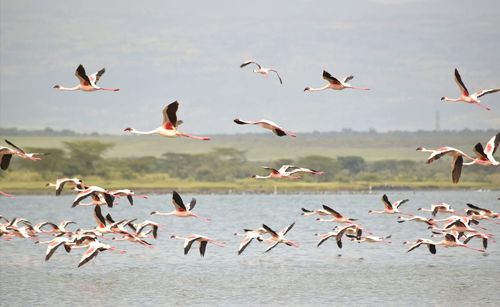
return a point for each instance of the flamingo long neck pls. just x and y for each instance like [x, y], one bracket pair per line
[312, 89]
[154, 131]
[262, 177]
[62, 88]
[452, 99]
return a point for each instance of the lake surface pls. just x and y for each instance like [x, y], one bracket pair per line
[359, 274]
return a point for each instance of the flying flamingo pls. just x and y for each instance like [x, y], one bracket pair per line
[6, 194]
[128, 193]
[484, 156]
[469, 98]
[87, 83]
[486, 212]
[336, 217]
[457, 162]
[94, 248]
[261, 70]
[169, 126]
[439, 207]
[283, 172]
[189, 240]
[334, 84]
[373, 239]
[249, 235]
[390, 208]
[278, 237]
[417, 218]
[95, 191]
[6, 154]
[266, 124]
[59, 185]
[430, 244]
[181, 209]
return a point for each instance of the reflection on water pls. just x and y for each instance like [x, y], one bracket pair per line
[370, 274]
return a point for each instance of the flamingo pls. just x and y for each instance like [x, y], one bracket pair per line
[336, 217]
[95, 191]
[278, 237]
[128, 193]
[485, 237]
[266, 124]
[417, 218]
[486, 212]
[469, 98]
[249, 235]
[6, 194]
[357, 229]
[334, 84]
[94, 248]
[169, 125]
[139, 228]
[87, 83]
[484, 156]
[181, 209]
[439, 207]
[373, 239]
[283, 172]
[457, 162]
[261, 70]
[451, 240]
[6, 154]
[430, 244]
[390, 208]
[59, 185]
[56, 229]
[189, 240]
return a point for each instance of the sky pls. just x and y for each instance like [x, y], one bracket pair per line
[157, 52]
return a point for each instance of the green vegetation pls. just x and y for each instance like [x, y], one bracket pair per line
[226, 169]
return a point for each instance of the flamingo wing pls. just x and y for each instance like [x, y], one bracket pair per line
[188, 243]
[5, 161]
[486, 92]
[491, 148]
[16, 147]
[250, 62]
[287, 229]
[333, 212]
[203, 248]
[480, 151]
[387, 203]
[170, 115]
[82, 75]
[269, 230]
[330, 78]
[400, 202]
[177, 202]
[276, 75]
[457, 168]
[192, 204]
[346, 79]
[91, 253]
[271, 247]
[461, 84]
[244, 122]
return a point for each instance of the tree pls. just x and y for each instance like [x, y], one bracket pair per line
[84, 156]
[353, 164]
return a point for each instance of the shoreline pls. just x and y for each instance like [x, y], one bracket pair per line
[248, 187]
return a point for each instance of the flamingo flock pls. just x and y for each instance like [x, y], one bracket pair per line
[456, 230]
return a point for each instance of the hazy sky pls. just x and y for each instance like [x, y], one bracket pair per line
[190, 51]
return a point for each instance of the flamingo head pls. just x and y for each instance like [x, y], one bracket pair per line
[128, 129]
[57, 86]
[307, 89]
[443, 98]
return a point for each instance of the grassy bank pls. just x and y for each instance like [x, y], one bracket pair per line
[160, 184]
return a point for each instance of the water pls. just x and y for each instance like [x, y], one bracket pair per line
[359, 274]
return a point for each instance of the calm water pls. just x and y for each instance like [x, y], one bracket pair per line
[359, 274]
